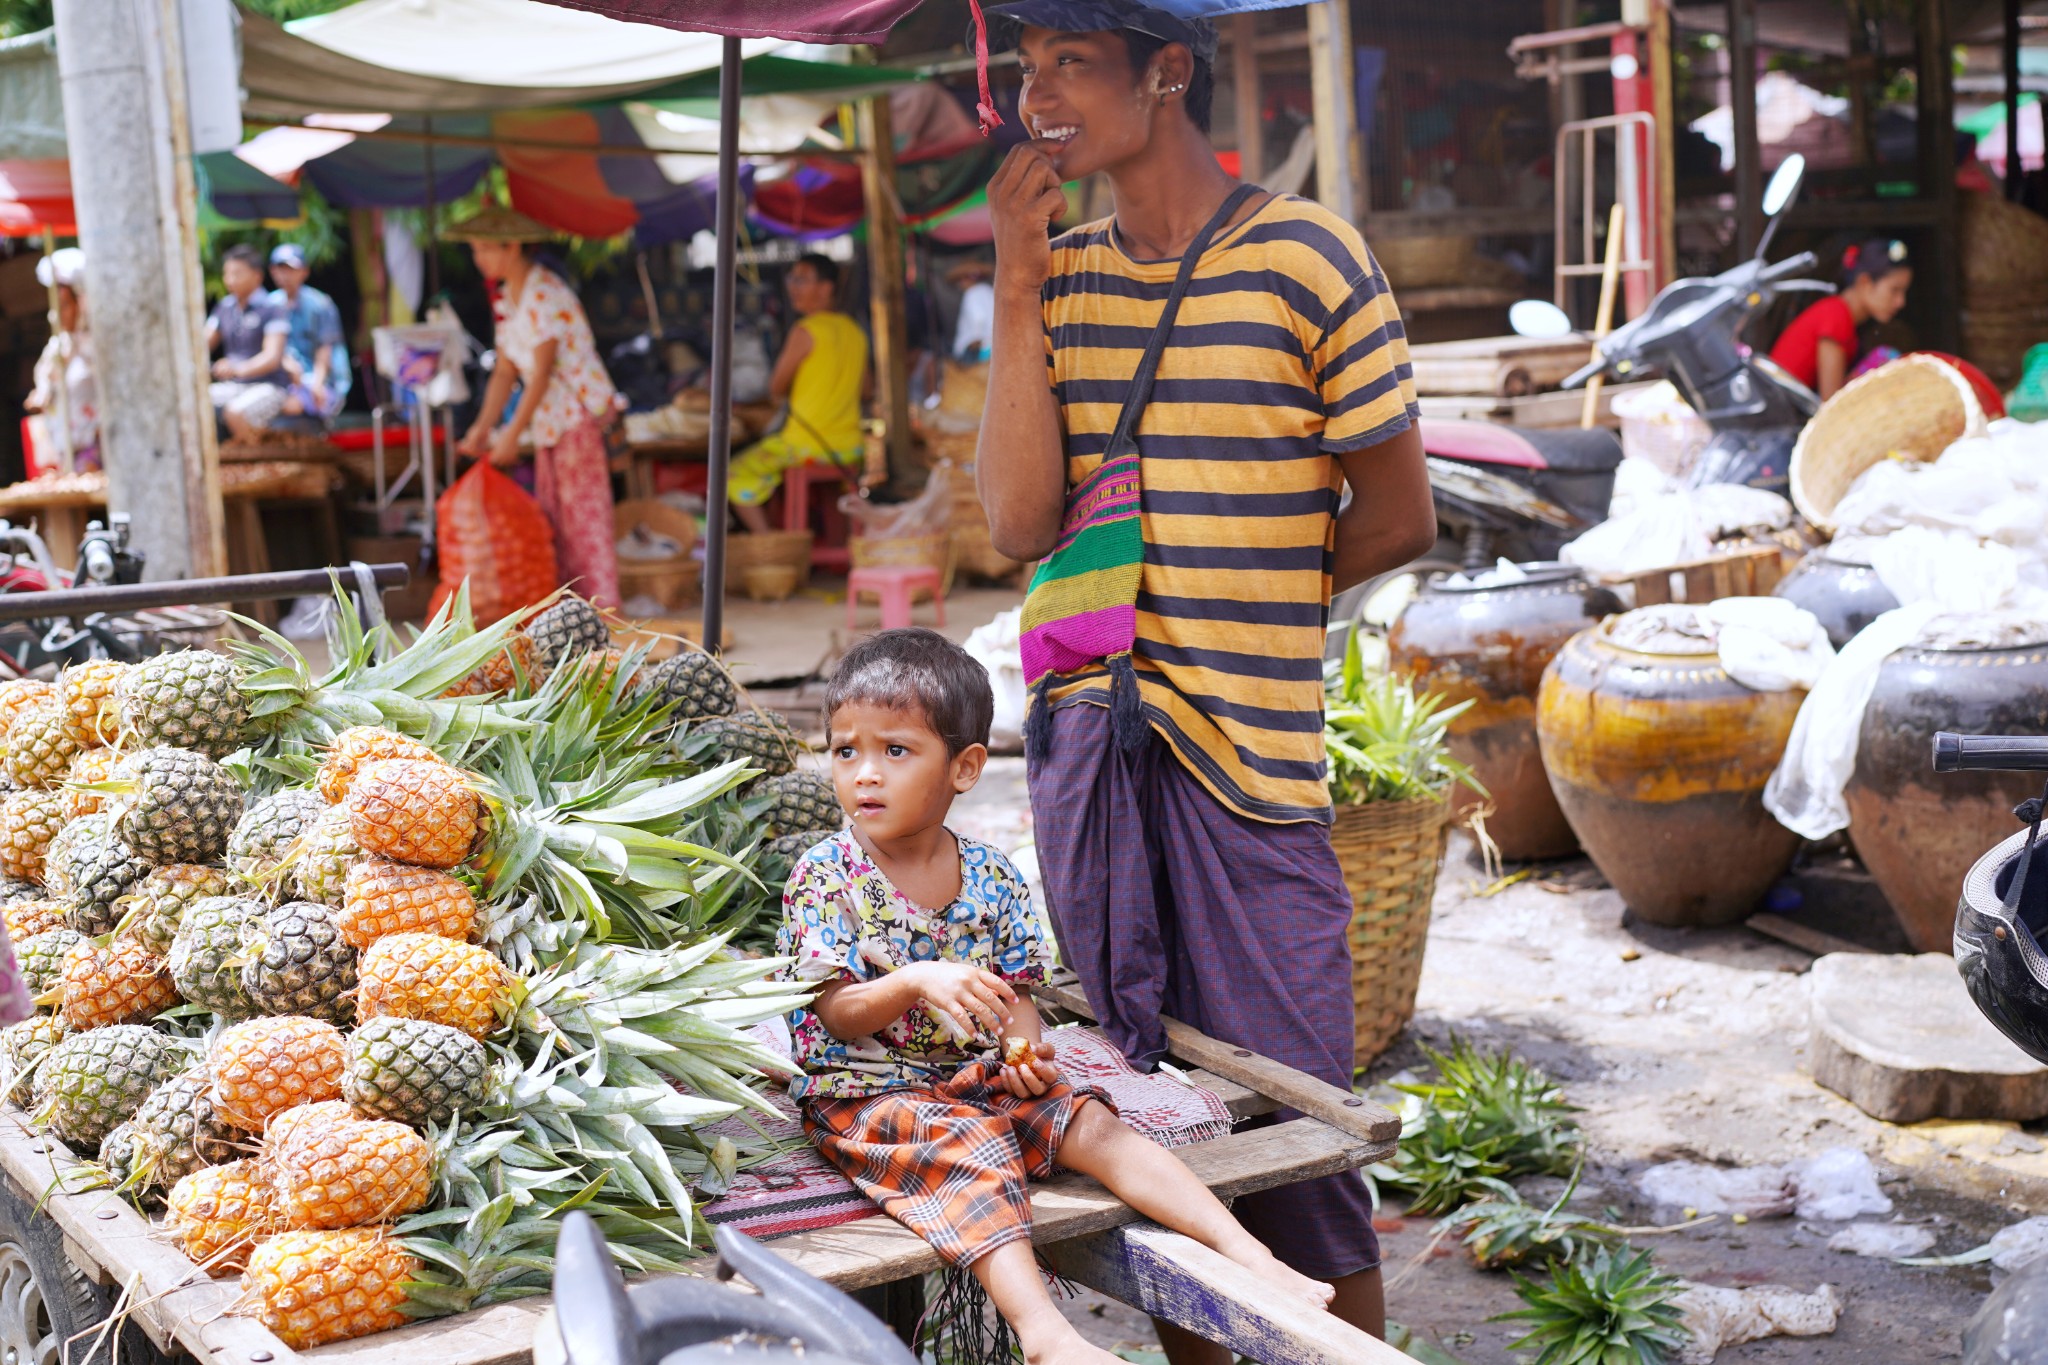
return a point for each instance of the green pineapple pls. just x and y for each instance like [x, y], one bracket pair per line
[93, 1080]
[762, 738]
[799, 801]
[176, 1130]
[206, 953]
[181, 805]
[57, 855]
[414, 1071]
[568, 628]
[14, 892]
[191, 699]
[298, 963]
[41, 958]
[257, 849]
[99, 869]
[157, 903]
[22, 1045]
[326, 851]
[788, 848]
[40, 745]
[696, 683]
[117, 1154]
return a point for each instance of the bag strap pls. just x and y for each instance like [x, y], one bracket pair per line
[1148, 367]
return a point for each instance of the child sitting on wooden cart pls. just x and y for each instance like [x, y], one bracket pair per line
[926, 1077]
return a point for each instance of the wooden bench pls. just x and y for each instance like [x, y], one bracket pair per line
[1088, 1235]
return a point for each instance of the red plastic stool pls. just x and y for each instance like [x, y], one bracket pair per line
[895, 585]
[797, 481]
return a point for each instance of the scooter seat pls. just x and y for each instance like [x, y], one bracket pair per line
[1577, 451]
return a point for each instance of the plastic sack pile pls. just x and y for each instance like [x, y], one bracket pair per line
[1666, 525]
[494, 535]
[1962, 543]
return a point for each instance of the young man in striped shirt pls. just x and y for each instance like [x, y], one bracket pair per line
[1191, 875]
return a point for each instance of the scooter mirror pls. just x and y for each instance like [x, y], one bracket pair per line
[1784, 184]
[1539, 319]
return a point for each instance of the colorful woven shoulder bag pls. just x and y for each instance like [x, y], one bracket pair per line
[1083, 603]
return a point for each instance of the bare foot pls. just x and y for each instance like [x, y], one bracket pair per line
[1057, 1343]
[1259, 1261]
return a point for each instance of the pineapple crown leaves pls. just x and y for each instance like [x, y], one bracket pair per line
[1613, 1307]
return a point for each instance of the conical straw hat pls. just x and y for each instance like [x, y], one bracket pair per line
[498, 223]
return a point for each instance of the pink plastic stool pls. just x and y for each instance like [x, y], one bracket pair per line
[894, 584]
[797, 483]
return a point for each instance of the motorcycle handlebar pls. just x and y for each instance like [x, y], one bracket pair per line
[1791, 265]
[1990, 753]
[1585, 372]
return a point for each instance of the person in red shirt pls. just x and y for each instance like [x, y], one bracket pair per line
[1819, 348]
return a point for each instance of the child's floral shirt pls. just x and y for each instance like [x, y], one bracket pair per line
[843, 920]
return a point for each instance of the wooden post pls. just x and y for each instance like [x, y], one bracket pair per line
[2010, 44]
[1333, 85]
[1749, 172]
[1244, 92]
[1603, 320]
[122, 70]
[886, 278]
[1937, 120]
[1665, 244]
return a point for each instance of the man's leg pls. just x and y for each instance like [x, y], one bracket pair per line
[755, 475]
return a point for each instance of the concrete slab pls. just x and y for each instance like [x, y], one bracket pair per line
[1898, 1036]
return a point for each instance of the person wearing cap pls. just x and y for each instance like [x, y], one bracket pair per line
[316, 355]
[64, 400]
[249, 380]
[1177, 773]
[544, 344]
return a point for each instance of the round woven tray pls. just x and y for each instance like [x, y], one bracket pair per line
[1913, 408]
[791, 548]
[1390, 852]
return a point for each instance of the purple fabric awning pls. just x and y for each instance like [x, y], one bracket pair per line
[796, 21]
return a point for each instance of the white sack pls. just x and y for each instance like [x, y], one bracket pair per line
[1768, 644]
[1716, 1317]
[1883, 1240]
[1837, 1185]
[1674, 527]
[994, 646]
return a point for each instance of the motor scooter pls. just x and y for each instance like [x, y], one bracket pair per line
[1523, 492]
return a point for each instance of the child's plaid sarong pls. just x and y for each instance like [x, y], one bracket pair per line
[950, 1161]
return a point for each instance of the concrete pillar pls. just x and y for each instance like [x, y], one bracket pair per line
[1333, 76]
[132, 184]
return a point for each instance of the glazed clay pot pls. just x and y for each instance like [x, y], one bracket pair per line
[1918, 831]
[1659, 760]
[1489, 646]
[1844, 596]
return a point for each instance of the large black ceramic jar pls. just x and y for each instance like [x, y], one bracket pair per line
[1846, 596]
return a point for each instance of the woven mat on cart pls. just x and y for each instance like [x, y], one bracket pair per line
[799, 1191]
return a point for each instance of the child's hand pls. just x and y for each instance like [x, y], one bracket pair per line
[1032, 1078]
[978, 1000]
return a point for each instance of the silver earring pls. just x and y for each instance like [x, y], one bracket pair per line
[1175, 89]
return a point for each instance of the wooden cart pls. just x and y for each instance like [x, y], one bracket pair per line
[1086, 1234]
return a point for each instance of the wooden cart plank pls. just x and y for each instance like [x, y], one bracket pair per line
[174, 1300]
[1177, 1278]
[1296, 1090]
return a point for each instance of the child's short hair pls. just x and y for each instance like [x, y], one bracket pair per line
[918, 670]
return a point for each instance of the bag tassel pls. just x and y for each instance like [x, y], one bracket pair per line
[1126, 707]
[959, 1328]
[1038, 722]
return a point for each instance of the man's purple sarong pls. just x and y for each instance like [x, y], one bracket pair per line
[1166, 902]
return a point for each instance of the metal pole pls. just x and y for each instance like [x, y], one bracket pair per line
[715, 510]
[251, 587]
[2012, 100]
[1749, 152]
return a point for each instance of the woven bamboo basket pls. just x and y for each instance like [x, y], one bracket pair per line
[1911, 409]
[672, 580]
[2003, 248]
[963, 389]
[1390, 852]
[1996, 337]
[791, 548]
[933, 551]
[1421, 262]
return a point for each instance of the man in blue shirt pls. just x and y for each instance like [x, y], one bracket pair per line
[315, 353]
[249, 378]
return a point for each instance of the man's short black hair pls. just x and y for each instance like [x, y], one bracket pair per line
[918, 670]
[246, 254]
[824, 267]
[1201, 91]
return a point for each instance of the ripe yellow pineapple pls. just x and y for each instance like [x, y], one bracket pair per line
[503, 671]
[265, 1066]
[16, 693]
[425, 976]
[413, 811]
[86, 692]
[28, 822]
[363, 744]
[352, 1172]
[220, 1213]
[118, 982]
[40, 745]
[315, 1287]
[383, 897]
[26, 919]
[94, 765]
[302, 1118]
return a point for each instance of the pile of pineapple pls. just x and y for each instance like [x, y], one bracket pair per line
[363, 979]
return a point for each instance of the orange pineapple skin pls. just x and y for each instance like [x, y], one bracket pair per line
[220, 1213]
[417, 812]
[313, 1287]
[364, 744]
[26, 919]
[287, 1126]
[86, 692]
[28, 821]
[353, 1172]
[503, 671]
[263, 1067]
[383, 897]
[122, 983]
[425, 976]
[17, 693]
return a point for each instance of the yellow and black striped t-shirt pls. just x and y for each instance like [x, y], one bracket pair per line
[1287, 352]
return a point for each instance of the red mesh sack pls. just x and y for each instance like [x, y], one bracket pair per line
[495, 535]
